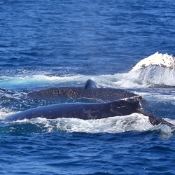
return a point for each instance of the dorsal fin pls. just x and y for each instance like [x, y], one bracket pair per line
[89, 84]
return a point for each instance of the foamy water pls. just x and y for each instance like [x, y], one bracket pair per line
[157, 69]
[118, 124]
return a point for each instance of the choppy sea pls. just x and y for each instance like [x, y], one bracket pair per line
[53, 43]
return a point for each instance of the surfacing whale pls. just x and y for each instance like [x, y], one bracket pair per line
[87, 111]
[90, 90]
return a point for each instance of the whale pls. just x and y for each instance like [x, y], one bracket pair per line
[90, 111]
[89, 90]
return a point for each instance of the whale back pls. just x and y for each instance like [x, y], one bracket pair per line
[89, 90]
[90, 84]
[84, 111]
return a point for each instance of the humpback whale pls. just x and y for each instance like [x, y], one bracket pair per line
[155, 70]
[87, 111]
[90, 90]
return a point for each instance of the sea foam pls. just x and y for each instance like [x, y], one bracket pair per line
[119, 124]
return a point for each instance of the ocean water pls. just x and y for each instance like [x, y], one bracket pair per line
[63, 43]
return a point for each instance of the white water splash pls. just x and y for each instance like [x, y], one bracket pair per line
[157, 69]
[118, 124]
[4, 112]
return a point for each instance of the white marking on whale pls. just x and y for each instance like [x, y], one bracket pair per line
[157, 59]
[157, 69]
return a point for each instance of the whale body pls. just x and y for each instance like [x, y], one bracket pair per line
[87, 111]
[157, 69]
[90, 90]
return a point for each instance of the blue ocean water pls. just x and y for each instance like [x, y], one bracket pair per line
[63, 43]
